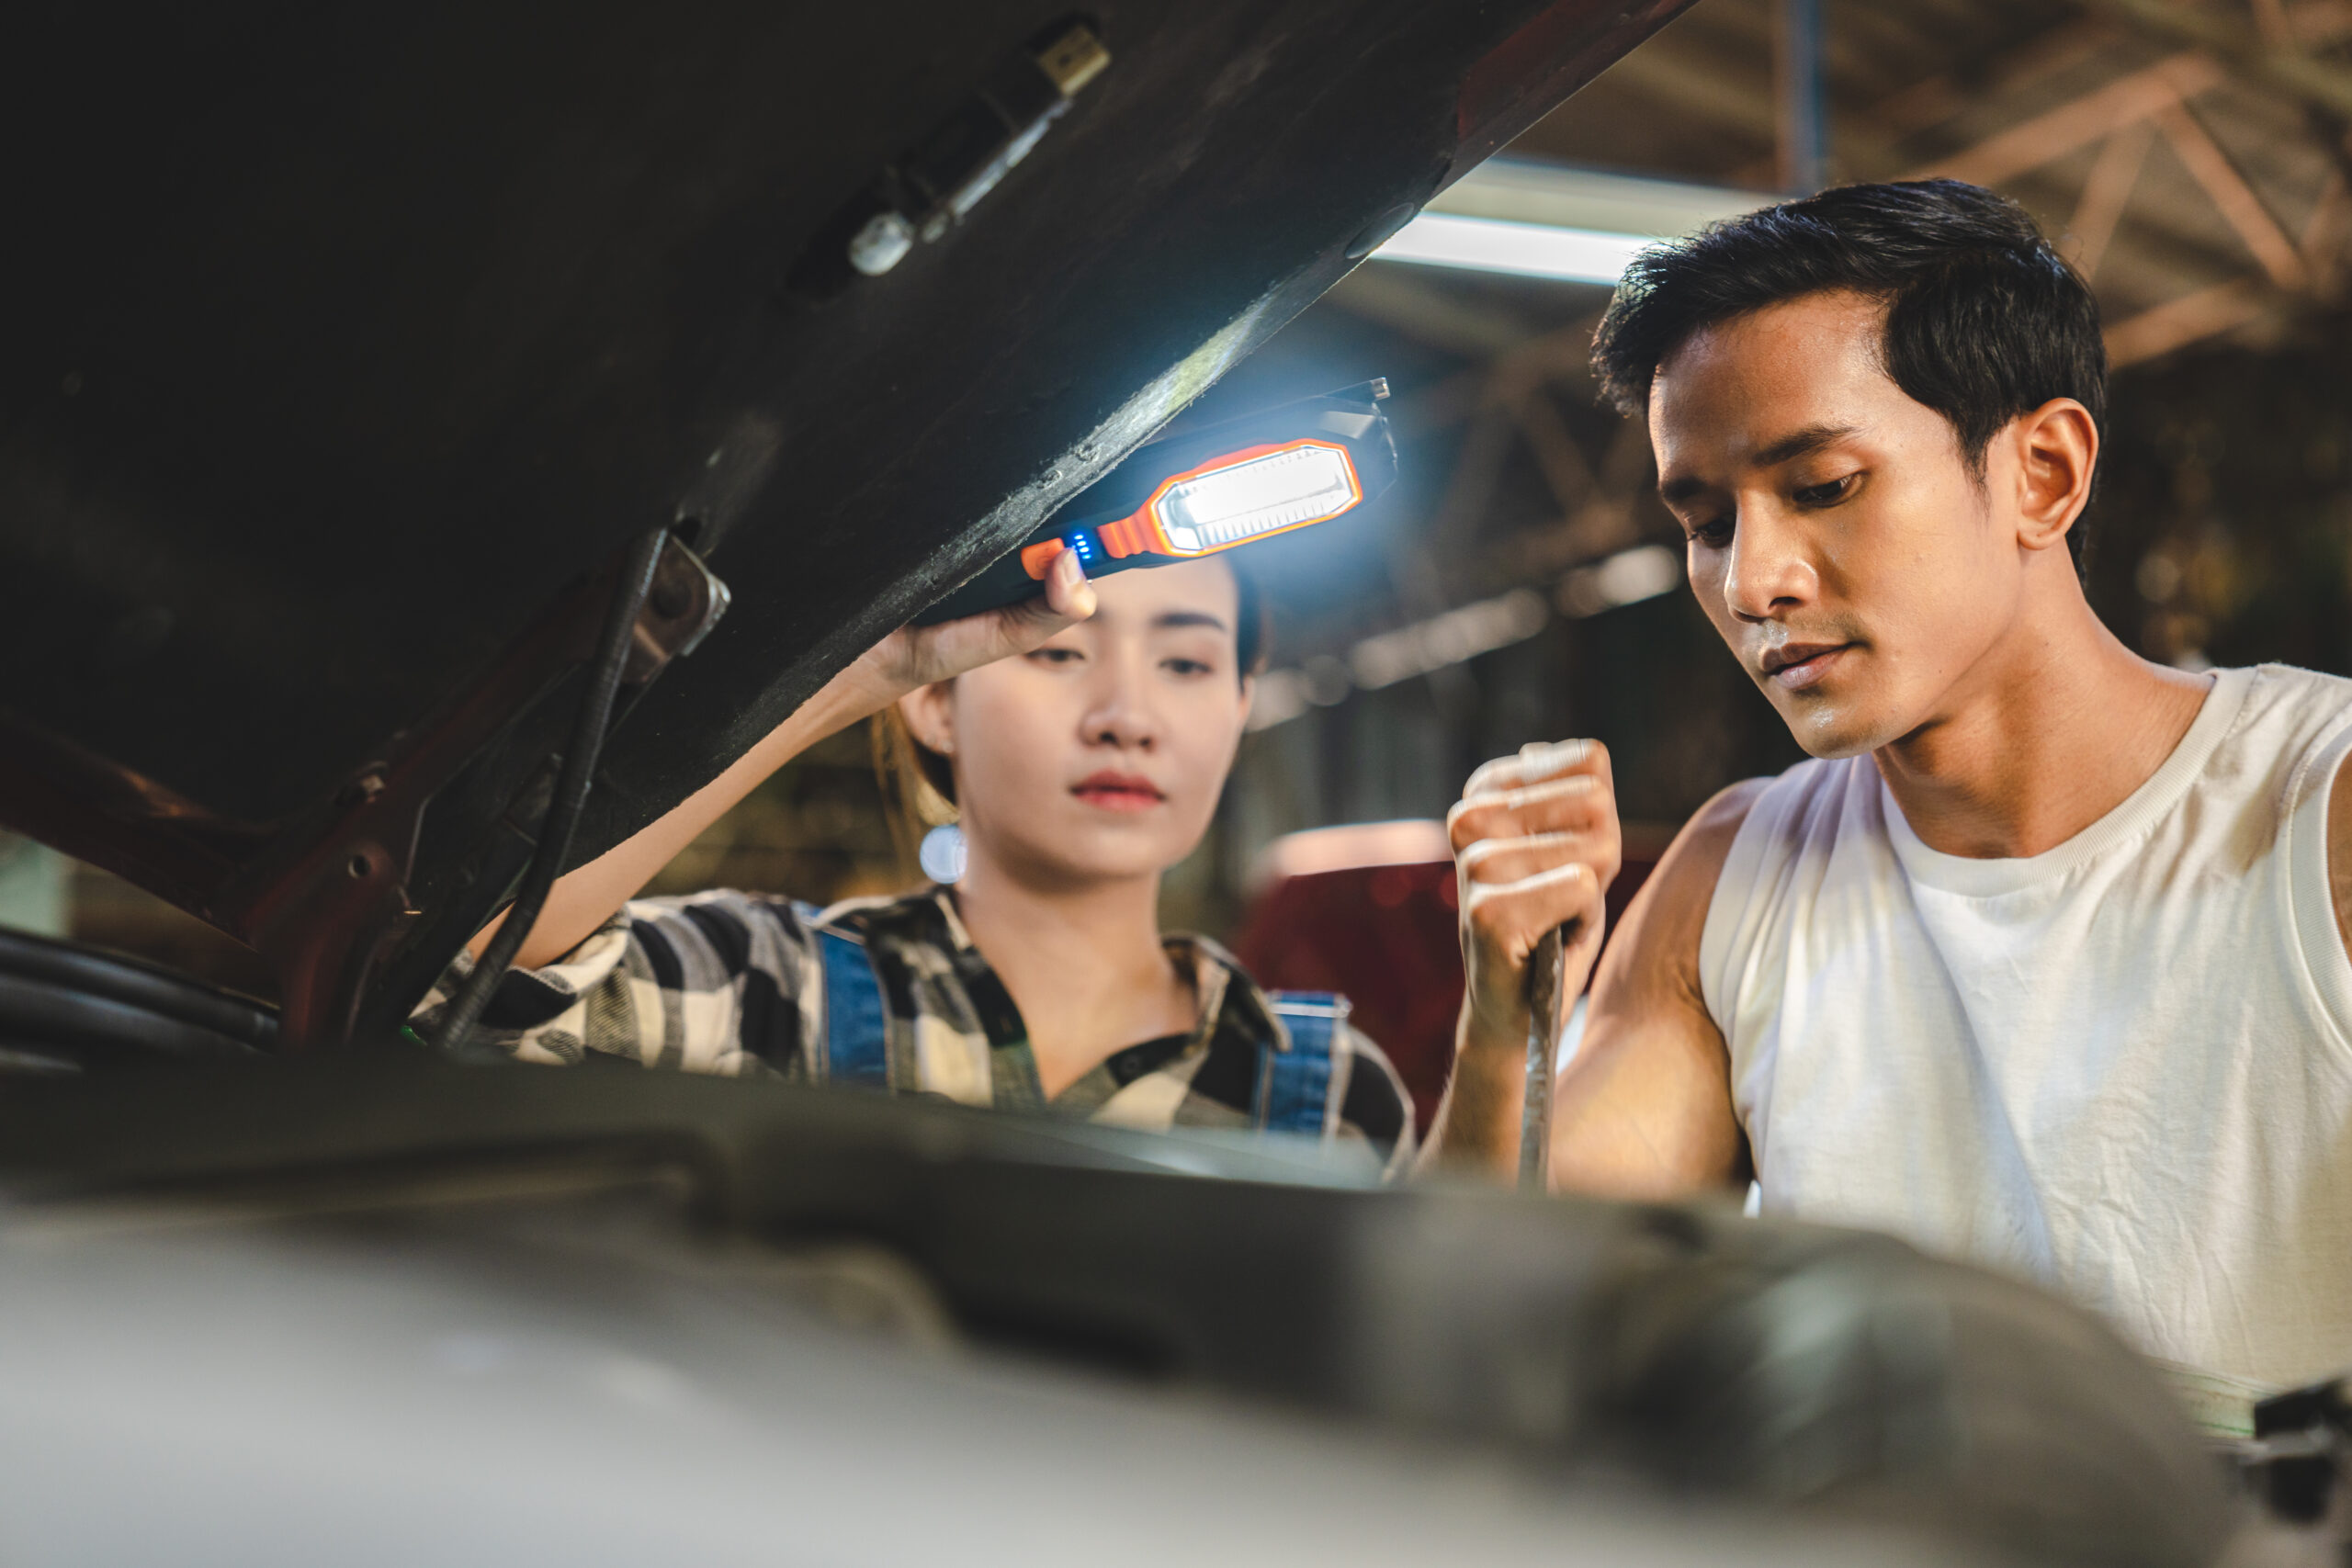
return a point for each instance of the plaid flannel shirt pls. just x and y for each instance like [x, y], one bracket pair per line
[732, 984]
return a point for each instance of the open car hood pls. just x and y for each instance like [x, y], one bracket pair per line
[348, 346]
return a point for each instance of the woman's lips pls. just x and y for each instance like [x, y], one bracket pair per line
[1799, 666]
[1118, 792]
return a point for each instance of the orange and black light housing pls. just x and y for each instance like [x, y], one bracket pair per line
[1204, 490]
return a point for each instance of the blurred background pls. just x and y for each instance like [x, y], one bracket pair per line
[1522, 581]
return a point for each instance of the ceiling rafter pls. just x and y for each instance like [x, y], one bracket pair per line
[1933, 100]
[2192, 318]
[2121, 117]
[2107, 191]
[2235, 200]
[2241, 46]
[2077, 123]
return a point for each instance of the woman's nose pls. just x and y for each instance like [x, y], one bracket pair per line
[1121, 726]
[1121, 714]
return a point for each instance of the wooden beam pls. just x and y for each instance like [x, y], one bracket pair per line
[2320, 235]
[2284, 69]
[2107, 191]
[1932, 100]
[2239, 206]
[2180, 322]
[2322, 241]
[1470, 488]
[2091, 118]
[1413, 308]
[2316, 24]
[1692, 89]
[1566, 472]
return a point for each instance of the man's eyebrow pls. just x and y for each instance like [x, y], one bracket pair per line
[1812, 438]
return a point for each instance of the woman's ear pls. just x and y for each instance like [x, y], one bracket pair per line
[1248, 698]
[929, 717]
[2057, 448]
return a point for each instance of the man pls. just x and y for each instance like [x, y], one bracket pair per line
[2043, 961]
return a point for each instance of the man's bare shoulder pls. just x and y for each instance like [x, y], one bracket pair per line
[1676, 895]
[1652, 964]
[1646, 1109]
[1715, 825]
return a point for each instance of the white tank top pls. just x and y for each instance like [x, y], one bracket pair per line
[2122, 1067]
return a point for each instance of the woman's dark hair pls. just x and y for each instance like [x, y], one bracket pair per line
[919, 785]
[1984, 319]
[1250, 621]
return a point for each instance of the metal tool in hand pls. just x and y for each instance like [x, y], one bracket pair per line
[1544, 974]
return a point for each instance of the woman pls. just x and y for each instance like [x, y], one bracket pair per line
[1085, 737]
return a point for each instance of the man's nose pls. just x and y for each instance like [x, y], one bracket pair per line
[1769, 570]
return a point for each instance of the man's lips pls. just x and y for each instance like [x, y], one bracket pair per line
[1796, 665]
[1118, 792]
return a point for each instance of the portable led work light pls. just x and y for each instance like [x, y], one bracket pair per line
[1203, 492]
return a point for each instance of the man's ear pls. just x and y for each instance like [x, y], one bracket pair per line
[2057, 451]
[929, 719]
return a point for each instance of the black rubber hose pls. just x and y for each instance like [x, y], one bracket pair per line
[570, 794]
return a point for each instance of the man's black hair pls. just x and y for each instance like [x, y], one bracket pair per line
[1984, 319]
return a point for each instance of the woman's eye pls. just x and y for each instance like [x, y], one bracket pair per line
[1056, 655]
[1188, 666]
[1829, 494]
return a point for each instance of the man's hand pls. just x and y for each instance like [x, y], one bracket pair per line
[915, 657]
[1535, 845]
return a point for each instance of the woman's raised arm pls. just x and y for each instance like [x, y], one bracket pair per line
[910, 657]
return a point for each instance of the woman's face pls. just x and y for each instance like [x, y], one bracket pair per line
[1101, 755]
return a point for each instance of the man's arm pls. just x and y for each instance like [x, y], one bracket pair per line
[1644, 1108]
[1535, 844]
[910, 657]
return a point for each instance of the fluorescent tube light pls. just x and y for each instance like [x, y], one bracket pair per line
[1540, 219]
[1529, 249]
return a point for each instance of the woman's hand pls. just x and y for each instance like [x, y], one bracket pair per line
[1535, 845]
[914, 655]
[586, 898]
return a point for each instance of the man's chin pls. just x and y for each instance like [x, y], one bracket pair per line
[1831, 730]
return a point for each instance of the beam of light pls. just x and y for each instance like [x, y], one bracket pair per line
[1526, 250]
[1540, 220]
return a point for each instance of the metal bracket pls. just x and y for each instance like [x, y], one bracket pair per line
[685, 603]
[327, 916]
